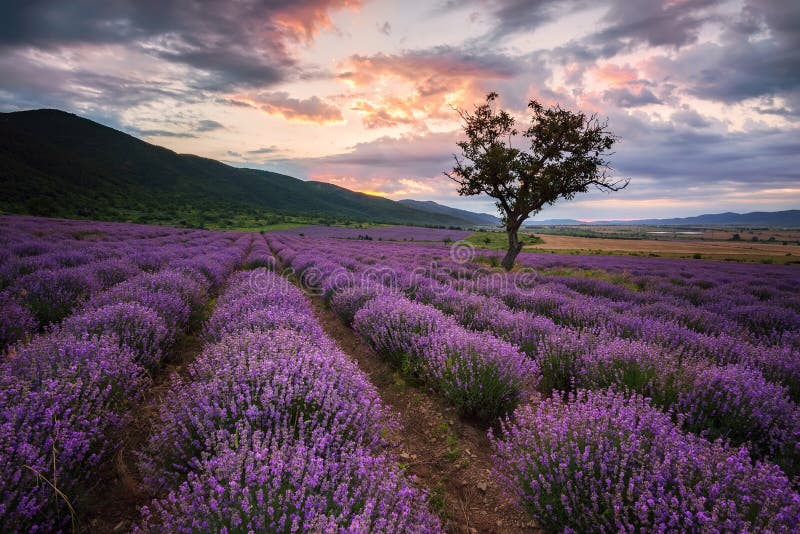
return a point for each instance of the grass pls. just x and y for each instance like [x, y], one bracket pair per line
[453, 451]
[498, 240]
[621, 279]
[272, 227]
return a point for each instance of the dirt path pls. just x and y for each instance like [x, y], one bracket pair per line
[112, 505]
[448, 455]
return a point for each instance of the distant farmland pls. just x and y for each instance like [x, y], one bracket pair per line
[744, 250]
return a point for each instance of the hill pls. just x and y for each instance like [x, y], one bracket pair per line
[54, 163]
[481, 219]
[755, 218]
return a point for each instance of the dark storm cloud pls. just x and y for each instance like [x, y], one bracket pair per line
[758, 56]
[26, 84]
[676, 155]
[514, 16]
[230, 43]
[654, 22]
[625, 23]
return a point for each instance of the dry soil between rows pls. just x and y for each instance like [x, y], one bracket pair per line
[448, 455]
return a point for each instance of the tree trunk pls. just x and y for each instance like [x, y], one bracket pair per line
[514, 246]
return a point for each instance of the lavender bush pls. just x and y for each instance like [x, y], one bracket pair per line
[604, 462]
[281, 380]
[136, 326]
[479, 374]
[639, 367]
[349, 300]
[738, 404]
[391, 325]
[51, 294]
[257, 482]
[60, 397]
[171, 307]
[16, 321]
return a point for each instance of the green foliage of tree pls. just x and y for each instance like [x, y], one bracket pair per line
[568, 153]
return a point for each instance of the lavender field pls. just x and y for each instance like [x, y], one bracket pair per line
[610, 393]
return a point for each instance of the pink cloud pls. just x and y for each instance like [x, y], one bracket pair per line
[312, 109]
[424, 84]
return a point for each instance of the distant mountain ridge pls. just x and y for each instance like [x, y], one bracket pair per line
[55, 163]
[755, 218]
[482, 219]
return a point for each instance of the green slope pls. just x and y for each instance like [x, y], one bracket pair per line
[54, 163]
[479, 219]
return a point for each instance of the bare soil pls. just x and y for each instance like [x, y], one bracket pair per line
[446, 454]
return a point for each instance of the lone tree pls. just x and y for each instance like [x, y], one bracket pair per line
[568, 154]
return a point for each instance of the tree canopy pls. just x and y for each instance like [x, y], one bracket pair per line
[567, 154]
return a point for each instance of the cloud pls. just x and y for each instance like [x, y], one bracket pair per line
[226, 44]
[625, 98]
[690, 117]
[422, 84]
[417, 154]
[207, 125]
[510, 17]
[655, 22]
[675, 157]
[423, 66]
[744, 64]
[624, 25]
[164, 133]
[312, 109]
[264, 150]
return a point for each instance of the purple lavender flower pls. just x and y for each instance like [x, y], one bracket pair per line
[278, 379]
[738, 404]
[16, 321]
[60, 396]
[480, 374]
[51, 294]
[171, 307]
[258, 482]
[638, 367]
[392, 325]
[135, 326]
[349, 300]
[604, 462]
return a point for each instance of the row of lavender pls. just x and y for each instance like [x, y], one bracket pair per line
[482, 375]
[733, 401]
[50, 267]
[647, 315]
[682, 370]
[67, 389]
[274, 429]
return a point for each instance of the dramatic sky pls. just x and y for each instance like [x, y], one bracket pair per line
[704, 94]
